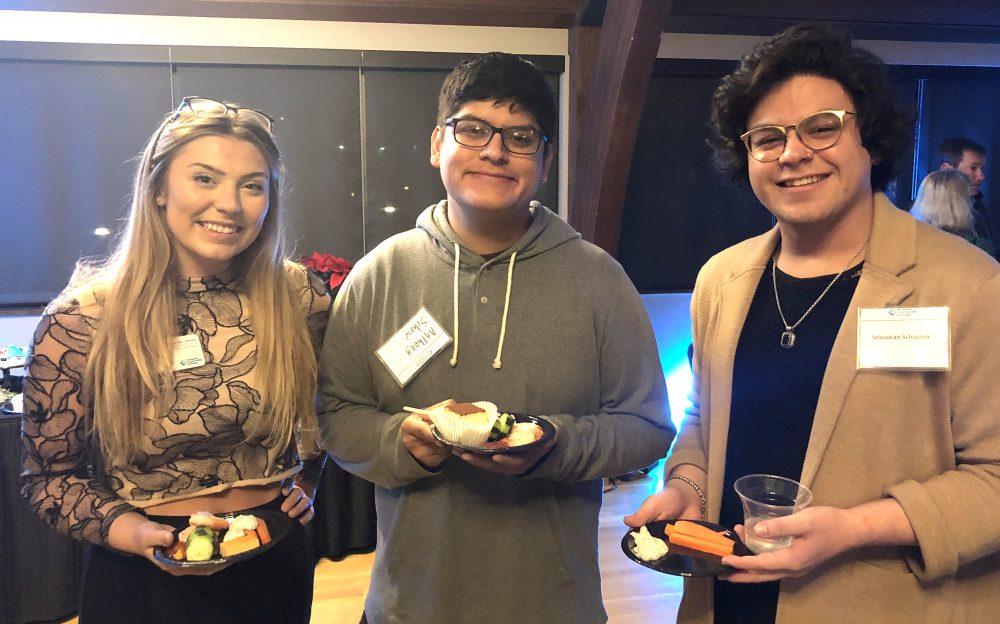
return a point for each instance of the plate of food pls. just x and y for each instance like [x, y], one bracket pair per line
[483, 429]
[211, 540]
[683, 547]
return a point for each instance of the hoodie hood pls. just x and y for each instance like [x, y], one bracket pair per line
[546, 231]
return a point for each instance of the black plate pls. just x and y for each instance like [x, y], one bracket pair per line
[548, 430]
[278, 525]
[681, 561]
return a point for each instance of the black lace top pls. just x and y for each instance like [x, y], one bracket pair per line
[199, 446]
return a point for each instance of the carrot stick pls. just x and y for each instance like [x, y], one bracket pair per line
[695, 543]
[701, 532]
[262, 532]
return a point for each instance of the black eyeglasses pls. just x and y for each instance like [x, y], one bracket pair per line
[206, 107]
[472, 132]
[818, 131]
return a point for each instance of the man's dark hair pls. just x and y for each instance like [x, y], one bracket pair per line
[812, 50]
[952, 150]
[500, 78]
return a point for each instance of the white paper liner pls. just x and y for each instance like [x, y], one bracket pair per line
[472, 430]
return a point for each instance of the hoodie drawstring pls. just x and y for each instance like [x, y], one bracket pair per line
[454, 346]
[506, 305]
[497, 363]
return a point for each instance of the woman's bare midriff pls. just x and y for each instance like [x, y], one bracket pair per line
[220, 502]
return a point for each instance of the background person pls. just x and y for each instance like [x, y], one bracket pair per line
[122, 442]
[969, 157]
[903, 463]
[540, 322]
[945, 202]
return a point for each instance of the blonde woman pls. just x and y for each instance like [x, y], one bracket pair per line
[944, 201]
[179, 376]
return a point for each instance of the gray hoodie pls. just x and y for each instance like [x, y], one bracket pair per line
[564, 335]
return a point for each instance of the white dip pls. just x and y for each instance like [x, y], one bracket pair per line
[647, 547]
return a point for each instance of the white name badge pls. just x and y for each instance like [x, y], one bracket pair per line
[412, 346]
[187, 352]
[904, 338]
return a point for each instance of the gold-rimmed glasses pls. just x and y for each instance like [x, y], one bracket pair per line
[818, 131]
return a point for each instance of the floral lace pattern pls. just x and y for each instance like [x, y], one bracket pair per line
[200, 445]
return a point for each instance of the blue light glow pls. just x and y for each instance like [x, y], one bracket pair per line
[678, 388]
[670, 316]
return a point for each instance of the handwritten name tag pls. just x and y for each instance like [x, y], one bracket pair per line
[412, 346]
[188, 352]
[904, 338]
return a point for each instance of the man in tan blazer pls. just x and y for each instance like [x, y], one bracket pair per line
[802, 368]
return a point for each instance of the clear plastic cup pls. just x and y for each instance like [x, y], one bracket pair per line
[769, 496]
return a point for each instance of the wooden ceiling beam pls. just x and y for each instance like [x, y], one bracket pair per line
[612, 106]
[582, 61]
[590, 12]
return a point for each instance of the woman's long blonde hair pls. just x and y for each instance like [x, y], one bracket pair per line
[130, 363]
[945, 201]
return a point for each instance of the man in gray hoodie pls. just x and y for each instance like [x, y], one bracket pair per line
[491, 297]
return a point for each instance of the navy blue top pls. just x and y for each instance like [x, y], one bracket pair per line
[775, 392]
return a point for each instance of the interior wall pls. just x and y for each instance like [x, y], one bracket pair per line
[274, 33]
[17, 329]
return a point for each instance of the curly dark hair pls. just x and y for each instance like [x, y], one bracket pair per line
[812, 50]
[501, 78]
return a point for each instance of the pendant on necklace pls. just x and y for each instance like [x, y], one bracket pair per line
[787, 340]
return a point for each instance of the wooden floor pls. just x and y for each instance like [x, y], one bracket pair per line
[632, 594]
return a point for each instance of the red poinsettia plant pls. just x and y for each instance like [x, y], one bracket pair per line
[332, 269]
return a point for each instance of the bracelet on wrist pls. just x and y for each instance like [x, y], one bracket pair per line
[697, 489]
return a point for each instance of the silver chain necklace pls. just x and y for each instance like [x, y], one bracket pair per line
[788, 336]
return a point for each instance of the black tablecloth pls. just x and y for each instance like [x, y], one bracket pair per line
[345, 514]
[39, 568]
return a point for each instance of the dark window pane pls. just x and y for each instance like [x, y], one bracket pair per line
[400, 111]
[70, 136]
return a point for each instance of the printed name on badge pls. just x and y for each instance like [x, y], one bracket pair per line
[188, 352]
[412, 346]
[904, 338]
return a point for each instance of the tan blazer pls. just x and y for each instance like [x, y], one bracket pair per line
[931, 440]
